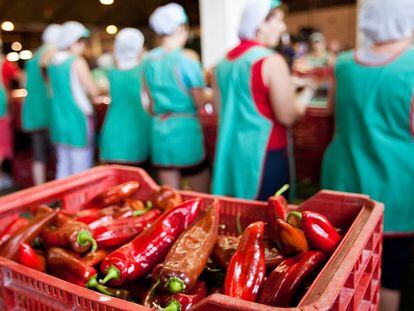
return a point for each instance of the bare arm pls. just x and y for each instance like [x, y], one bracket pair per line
[199, 94]
[216, 93]
[85, 77]
[331, 99]
[287, 107]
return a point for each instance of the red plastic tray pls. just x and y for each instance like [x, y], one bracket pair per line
[349, 281]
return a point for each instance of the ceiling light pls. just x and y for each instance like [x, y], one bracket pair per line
[25, 54]
[106, 2]
[111, 29]
[12, 57]
[16, 46]
[7, 26]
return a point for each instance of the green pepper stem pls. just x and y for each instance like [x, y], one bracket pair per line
[112, 273]
[93, 283]
[143, 211]
[85, 237]
[281, 190]
[173, 305]
[175, 285]
[290, 219]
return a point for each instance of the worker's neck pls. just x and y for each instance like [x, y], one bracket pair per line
[391, 47]
[170, 43]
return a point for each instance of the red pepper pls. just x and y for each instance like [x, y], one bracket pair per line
[29, 258]
[88, 216]
[318, 230]
[166, 198]
[68, 266]
[13, 227]
[138, 257]
[95, 258]
[188, 256]
[69, 233]
[279, 204]
[114, 195]
[121, 231]
[290, 240]
[282, 284]
[183, 301]
[27, 234]
[247, 268]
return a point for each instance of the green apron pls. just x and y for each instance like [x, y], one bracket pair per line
[243, 132]
[176, 135]
[69, 123]
[3, 95]
[125, 133]
[373, 150]
[36, 108]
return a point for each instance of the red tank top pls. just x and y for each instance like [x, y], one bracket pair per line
[260, 92]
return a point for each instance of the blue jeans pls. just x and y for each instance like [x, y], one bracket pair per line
[275, 173]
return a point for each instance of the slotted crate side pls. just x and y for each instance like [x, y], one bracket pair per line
[28, 289]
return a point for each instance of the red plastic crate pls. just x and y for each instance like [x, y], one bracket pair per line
[312, 136]
[349, 281]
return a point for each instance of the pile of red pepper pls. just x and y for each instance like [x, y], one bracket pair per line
[167, 253]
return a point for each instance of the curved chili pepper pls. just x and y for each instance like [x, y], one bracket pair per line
[279, 204]
[197, 293]
[12, 228]
[289, 240]
[69, 233]
[166, 198]
[68, 266]
[138, 257]
[186, 259]
[224, 249]
[121, 231]
[27, 234]
[247, 268]
[282, 284]
[29, 258]
[95, 258]
[318, 229]
[114, 195]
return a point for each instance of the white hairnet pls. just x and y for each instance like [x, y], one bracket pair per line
[71, 32]
[51, 34]
[387, 20]
[166, 19]
[254, 14]
[128, 44]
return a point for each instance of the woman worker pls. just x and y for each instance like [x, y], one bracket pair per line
[258, 103]
[174, 82]
[36, 108]
[125, 134]
[9, 73]
[72, 111]
[373, 148]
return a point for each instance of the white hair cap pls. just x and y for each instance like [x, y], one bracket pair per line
[166, 19]
[51, 34]
[254, 14]
[128, 44]
[387, 20]
[72, 32]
